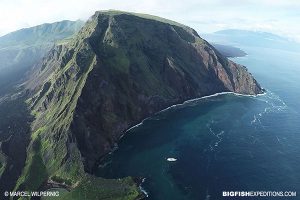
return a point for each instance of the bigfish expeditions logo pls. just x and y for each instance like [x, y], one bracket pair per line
[259, 194]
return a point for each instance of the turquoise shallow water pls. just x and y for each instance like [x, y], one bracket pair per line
[222, 143]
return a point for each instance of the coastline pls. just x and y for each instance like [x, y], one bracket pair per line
[229, 57]
[191, 101]
[229, 51]
[187, 102]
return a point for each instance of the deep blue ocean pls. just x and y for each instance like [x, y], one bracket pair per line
[221, 143]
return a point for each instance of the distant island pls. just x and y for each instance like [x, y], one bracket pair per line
[229, 51]
[233, 37]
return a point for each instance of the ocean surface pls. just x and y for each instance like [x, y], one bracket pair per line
[222, 143]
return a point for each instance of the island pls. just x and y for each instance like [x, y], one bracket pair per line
[83, 95]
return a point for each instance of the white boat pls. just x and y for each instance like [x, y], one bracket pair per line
[171, 159]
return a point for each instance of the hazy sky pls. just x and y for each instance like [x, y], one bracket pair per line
[277, 16]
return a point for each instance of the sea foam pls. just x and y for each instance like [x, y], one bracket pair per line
[191, 101]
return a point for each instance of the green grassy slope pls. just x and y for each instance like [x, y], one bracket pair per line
[41, 34]
[57, 157]
[21, 49]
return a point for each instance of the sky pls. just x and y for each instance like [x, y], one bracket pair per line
[280, 17]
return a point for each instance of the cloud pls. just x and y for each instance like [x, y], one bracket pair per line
[277, 16]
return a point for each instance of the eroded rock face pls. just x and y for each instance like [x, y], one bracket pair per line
[120, 69]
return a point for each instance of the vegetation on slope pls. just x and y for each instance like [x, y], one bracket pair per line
[53, 106]
[21, 49]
